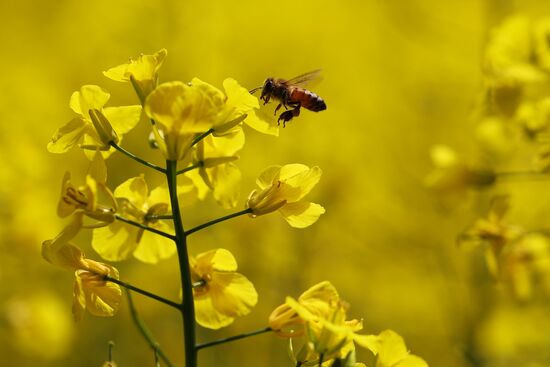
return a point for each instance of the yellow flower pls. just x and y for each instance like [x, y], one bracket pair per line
[182, 111]
[85, 198]
[91, 290]
[217, 172]
[81, 131]
[525, 266]
[119, 240]
[282, 188]
[223, 294]
[320, 315]
[144, 69]
[393, 352]
[450, 174]
[492, 232]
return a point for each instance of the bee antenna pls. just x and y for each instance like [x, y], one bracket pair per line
[252, 91]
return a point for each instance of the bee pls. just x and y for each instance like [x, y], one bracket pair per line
[290, 94]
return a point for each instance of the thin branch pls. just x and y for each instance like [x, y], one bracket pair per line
[232, 338]
[146, 332]
[136, 158]
[144, 227]
[192, 167]
[202, 136]
[208, 224]
[143, 292]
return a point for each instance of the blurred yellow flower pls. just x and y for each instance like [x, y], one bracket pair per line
[450, 174]
[223, 294]
[80, 131]
[119, 240]
[525, 266]
[492, 232]
[282, 188]
[217, 172]
[142, 69]
[393, 352]
[85, 198]
[91, 291]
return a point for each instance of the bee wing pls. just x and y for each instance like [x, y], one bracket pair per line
[302, 80]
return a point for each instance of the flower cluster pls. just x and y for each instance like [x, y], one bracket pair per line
[197, 128]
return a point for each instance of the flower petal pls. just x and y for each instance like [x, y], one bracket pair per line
[226, 179]
[68, 136]
[152, 247]
[114, 242]
[103, 299]
[301, 214]
[262, 122]
[124, 118]
[232, 294]
[207, 315]
[87, 98]
[135, 190]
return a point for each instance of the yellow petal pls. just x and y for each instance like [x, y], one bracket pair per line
[392, 349]
[98, 169]
[68, 136]
[301, 214]
[103, 299]
[267, 176]
[115, 242]
[232, 294]
[411, 361]
[143, 67]
[135, 190]
[208, 316]
[219, 259]
[299, 176]
[87, 98]
[66, 256]
[226, 180]
[239, 101]
[153, 247]
[79, 299]
[370, 342]
[124, 118]
[262, 122]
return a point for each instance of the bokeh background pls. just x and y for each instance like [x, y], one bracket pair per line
[399, 76]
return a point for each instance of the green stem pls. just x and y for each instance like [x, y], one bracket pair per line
[192, 167]
[136, 158]
[144, 227]
[146, 332]
[188, 307]
[202, 136]
[141, 291]
[232, 338]
[157, 217]
[523, 175]
[208, 224]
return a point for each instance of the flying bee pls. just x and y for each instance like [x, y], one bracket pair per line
[290, 93]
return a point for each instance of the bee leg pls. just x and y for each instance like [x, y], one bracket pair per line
[288, 115]
[277, 108]
[266, 99]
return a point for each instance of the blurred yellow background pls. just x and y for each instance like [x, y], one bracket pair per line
[399, 76]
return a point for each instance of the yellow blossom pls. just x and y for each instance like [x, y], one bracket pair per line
[119, 240]
[181, 111]
[223, 294]
[525, 266]
[492, 232]
[88, 103]
[217, 173]
[320, 315]
[91, 291]
[85, 198]
[450, 174]
[393, 352]
[142, 69]
[282, 188]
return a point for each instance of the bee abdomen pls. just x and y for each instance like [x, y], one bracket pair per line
[309, 100]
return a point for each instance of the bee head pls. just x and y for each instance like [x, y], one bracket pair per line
[268, 87]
